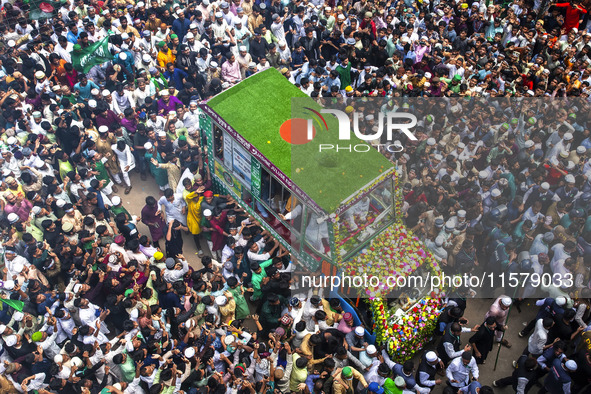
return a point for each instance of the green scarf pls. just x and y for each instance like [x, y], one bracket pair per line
[162, 80]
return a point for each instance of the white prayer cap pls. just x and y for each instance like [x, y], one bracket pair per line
[10, 340]
[221, 300]
[431, 357]
[189, 352]
[77, 362]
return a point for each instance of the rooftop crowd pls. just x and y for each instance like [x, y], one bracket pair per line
[501, 185]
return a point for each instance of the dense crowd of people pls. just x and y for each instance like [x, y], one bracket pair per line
[91, 304]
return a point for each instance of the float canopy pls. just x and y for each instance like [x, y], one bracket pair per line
[258, 106]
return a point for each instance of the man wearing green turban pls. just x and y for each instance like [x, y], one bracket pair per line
[344, 382]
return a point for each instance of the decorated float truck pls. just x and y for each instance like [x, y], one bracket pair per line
[336, 212]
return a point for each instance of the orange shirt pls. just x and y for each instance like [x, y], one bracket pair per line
[60, 72]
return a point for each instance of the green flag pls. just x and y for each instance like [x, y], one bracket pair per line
[97, 53]
[18, 305]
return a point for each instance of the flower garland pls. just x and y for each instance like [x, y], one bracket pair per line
[406, 334]
[395, 252]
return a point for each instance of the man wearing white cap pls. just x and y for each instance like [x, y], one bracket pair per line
[578, 155]
[181, 24]
[568, 192]
[221, 30]
[427, 370]
[43, 84]
[243, 58]
[193, 44]
[226, 306]
[35, 123]
[490, 201]
[499, 310]
[14, 264]
[558, 380]
[147, 44]
[356, 341]
[241, 32]
[559, 141]
[540, 193]
[369, 357]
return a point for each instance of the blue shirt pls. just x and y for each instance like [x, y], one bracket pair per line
[176, 77]
[85, 90]
[73, 38]
[181, 27]
[127, 63]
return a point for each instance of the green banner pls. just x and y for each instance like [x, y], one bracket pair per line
[255, 177]
[16, 304]
[97, 53]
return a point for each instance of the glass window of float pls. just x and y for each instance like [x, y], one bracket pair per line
[364, 219]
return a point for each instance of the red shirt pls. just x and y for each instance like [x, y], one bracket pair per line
[554, 176]
[372, 24]
[573, 15]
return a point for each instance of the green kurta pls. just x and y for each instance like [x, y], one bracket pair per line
[120, 209]
[35, 232]
[128, 369]
[103, 175]
[241, 306]
[344, 75]
[39, 219]
[160, 174]
[65, 167]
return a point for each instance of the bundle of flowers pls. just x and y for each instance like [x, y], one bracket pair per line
[405, 333]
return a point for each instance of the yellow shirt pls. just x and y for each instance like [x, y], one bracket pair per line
[165, 57]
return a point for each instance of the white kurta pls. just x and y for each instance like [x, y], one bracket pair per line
[125, 157]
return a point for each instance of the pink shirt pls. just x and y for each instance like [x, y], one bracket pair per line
[231, 72]
[22, 209]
